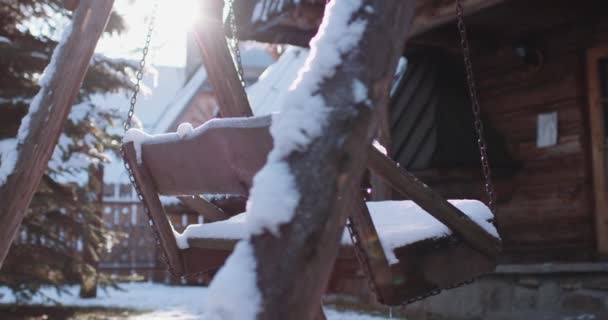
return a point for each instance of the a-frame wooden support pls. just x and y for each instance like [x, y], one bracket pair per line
[71, 64]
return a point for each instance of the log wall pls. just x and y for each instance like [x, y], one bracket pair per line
[545, 210]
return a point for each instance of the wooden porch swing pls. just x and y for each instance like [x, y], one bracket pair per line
[223, 155]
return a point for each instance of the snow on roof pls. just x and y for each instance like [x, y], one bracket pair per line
[399, 223]
[255, 54]
[268, 94]
[163, 85]
[181, 100]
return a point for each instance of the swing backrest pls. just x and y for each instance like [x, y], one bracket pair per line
[221, 156]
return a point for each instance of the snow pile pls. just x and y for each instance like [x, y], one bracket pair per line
[8, 150]
[236, 281]
[398, 224]
[161, 302]
[292, 130]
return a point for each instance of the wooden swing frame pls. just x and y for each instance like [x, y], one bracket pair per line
[206, 254]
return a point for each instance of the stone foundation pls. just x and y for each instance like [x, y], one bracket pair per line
[539, 292]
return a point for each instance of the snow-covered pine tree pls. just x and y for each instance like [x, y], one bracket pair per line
[63, 221]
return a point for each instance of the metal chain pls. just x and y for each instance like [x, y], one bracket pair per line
[127, 126]
[362, 258]
[141, 68]
[234, 42]
[481, 142]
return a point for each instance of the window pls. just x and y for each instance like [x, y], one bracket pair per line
[134, 215]
[125, 190]
[108, 190]
[184, 220]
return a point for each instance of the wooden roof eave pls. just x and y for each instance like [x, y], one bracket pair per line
[297, 24]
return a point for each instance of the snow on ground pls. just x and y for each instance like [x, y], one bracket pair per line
[163, 302]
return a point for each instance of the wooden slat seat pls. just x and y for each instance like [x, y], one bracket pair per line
[414, 243]
[223, 155]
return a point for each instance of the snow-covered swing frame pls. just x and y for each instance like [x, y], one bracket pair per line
[224, 155]
[22, 169]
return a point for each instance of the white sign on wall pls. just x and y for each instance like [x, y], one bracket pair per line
[546, 129]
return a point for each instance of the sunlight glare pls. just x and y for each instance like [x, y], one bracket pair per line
[173, 21]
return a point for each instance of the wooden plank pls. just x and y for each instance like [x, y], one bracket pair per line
[224, 78]
[199, 205]
[295, 22]
[598, 156]
[213, 243]
[369, 240]
[157, 212]
[321, 313]
[434, 204]
[431, 14]
[293, 267]
[57, 97]
[71, 4]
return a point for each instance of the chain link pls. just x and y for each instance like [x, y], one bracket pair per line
[234, 42]
[141, 68]
[355, 238]
[481, 142]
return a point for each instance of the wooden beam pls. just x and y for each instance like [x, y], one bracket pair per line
[223, 76]
[157, 212]
[369, 241]
[71, 4]
[408, 185]
[321, 314]
[597, 144]
[293, 268]
[57, 96]
[209, 211]
[299, 22]
[431, 14]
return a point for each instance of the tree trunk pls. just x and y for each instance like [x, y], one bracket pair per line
[72, 62]
[293, 269]
[88, 282]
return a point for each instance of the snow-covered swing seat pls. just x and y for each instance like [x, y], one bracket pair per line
[222, 156]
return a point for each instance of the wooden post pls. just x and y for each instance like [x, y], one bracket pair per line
[597, 145]
[72, 62]
[293, 268]
[224, 78]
